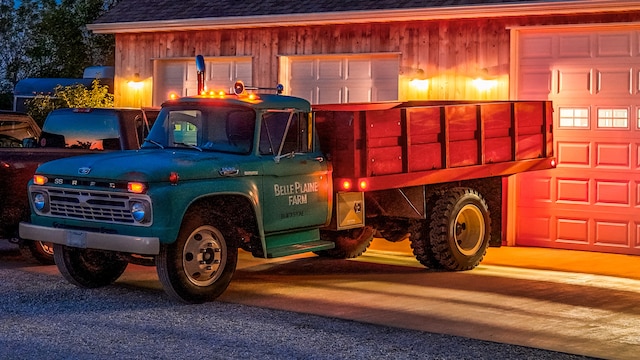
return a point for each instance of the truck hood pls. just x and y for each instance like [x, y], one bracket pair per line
[148, 165]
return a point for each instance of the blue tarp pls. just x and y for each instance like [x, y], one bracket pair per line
[37, 86]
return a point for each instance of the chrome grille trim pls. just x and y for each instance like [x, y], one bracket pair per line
[93, 205]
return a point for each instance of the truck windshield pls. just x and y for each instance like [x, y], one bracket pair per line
[227, 129]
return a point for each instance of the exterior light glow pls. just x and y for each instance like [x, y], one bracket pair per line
[173, 96]
[363, 185]
[346, 185]
[136, 187]
[484, 84]
[39, 179]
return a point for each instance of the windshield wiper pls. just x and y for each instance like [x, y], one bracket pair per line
[188, 145]
[155, 143]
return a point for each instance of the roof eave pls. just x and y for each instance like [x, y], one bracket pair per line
[351, 17]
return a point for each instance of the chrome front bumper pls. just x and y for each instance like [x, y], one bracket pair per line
[91, 240]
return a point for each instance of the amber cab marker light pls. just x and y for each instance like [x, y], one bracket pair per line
[346, 185]
[136, 187]
[39, 179]
[363, 185]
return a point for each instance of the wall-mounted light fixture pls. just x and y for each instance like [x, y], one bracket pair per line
[484, 82]
[136, 83]
[419, 80]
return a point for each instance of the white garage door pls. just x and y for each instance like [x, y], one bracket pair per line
[342, 79]
[179, 76]
[591, 201]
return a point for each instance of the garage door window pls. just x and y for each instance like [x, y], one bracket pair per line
[613, 118]
[574, 117]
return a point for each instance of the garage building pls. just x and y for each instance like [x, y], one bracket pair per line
[584, 55]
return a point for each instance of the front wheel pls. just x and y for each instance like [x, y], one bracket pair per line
[88, 268]
[40, 251]
[197, 267]
[460, 229]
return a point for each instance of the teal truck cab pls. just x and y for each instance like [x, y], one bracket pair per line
[267, 174]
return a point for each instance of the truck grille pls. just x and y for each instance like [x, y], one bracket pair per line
[91, 205]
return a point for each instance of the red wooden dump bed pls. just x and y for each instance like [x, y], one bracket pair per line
[392, 145]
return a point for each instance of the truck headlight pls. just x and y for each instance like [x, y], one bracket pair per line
[139, 211]
[40, 201]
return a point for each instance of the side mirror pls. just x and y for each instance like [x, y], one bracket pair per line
[29, 142]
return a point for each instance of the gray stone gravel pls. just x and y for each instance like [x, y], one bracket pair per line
[42, 316]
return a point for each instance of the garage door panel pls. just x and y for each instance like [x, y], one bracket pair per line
[574, 46]
[534, 228]
[359, 70]
[329, 95]
[538, 47]
[538, 190]
[330, 70]
[574, 82]
[612, 233]
[614, 82]
[613, 193]
[573, 230]
[358, 94]
[574, 154]
[573, 190]
[614, 44]
[613, 156]
[535, 84]
[303, 70]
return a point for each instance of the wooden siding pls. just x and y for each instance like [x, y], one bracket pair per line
[451, 53]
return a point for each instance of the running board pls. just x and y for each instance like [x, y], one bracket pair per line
[317, 245]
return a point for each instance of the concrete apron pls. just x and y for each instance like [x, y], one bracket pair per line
[550, 299]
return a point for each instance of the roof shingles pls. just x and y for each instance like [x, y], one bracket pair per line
[163, 10]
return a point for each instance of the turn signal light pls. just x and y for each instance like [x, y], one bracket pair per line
[136, 187]
[39, 179]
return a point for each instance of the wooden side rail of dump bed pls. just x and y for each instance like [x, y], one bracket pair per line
[393, 145]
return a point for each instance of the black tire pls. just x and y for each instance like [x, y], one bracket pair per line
[88, 268]
[40, 251]
[421, 245]
[198, 266]
[460, 229]
[349, 243]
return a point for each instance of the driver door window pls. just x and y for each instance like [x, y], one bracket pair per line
[284, 133]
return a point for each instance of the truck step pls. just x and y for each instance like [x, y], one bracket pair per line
[300, 248]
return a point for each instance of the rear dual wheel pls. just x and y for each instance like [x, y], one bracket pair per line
[458, 231]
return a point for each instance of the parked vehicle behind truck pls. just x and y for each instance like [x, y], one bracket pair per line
[66, 132]
[267, 174]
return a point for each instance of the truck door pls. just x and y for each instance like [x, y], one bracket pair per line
[296, 177]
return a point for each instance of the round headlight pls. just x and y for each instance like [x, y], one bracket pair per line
[39, 201]
[138, 211]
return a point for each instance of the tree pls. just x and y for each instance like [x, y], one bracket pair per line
[72, 96]
[64, 46]
[49, 38]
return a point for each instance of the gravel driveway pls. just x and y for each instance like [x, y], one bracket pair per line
[42, 316]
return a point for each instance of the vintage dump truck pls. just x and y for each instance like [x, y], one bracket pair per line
[66, 132]
[268, 174]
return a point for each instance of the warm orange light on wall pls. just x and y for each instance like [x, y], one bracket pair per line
[482, 84]
[136, 83]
